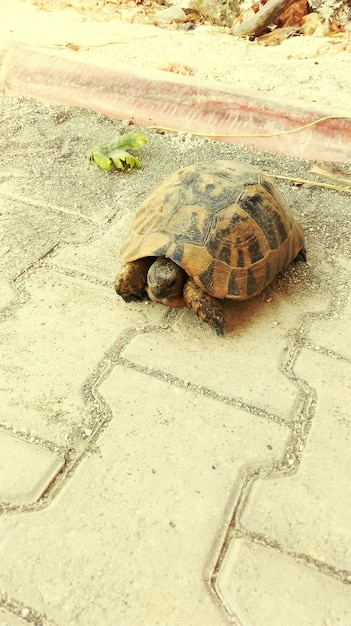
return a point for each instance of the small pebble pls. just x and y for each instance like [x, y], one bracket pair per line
[188, 26]
[172, 14]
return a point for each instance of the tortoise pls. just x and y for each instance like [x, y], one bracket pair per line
[210, 231]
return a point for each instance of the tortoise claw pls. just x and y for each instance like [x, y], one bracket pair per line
[301, 256]
[204, 306]
[140, 297]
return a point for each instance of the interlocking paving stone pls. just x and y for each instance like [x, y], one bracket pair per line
[236, 361]
[158, 483]
[32, 231]
[98, 257]
[7, 293]
[50, 346]
[26, 470]
[332, 333]
[262, 587]
[9, 619]
[316, 500]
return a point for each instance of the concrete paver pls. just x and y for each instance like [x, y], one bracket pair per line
[7, 293]
[25, 470]
[260, 328]
[93, 258]
[32, 233]
[259, 585]
[8, 619]
[318, 495]
[53, 360]
[329, 334]
[140, 512]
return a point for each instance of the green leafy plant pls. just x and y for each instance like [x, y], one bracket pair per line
[116, 152]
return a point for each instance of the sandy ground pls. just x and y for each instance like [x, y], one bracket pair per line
[310, 68]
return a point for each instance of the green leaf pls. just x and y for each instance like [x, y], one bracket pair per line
[116, 152]
[122, 158]
[127, 141]
[100, 158]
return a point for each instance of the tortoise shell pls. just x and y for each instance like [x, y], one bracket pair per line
[225, 223]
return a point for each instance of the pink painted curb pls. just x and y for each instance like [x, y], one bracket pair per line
[184, 103]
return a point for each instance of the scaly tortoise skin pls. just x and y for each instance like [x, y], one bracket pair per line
[224, 223]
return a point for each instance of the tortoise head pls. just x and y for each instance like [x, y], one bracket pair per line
[165, 279]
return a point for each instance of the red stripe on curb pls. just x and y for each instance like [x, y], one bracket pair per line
[158, 98]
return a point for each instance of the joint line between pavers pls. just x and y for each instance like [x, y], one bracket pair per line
[232, 531]
[115, 354]
[52, 207]
[73, 273]
[28, 614]
[22, 296]
[102, 414]
[18, 282]
[310, 345]
[22, 435]
[343, 575]
[204, 391]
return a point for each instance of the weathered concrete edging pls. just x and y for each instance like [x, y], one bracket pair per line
[184, 103]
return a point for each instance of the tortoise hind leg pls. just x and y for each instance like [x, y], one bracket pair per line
[131, 280]
[207, 308]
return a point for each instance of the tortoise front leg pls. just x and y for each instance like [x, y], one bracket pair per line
[131, 280]
[207, 308]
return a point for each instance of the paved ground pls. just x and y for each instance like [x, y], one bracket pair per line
[152, 473]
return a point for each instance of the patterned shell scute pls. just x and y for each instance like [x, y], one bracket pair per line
[225, 223]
